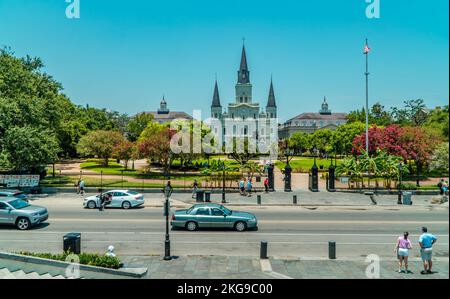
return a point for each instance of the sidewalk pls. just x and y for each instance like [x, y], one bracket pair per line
[306, 198]
[223, 267]
[281, 199]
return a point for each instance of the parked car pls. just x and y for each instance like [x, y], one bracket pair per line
[213, 216]
[124, 199]
[14, 211]
[9, 193]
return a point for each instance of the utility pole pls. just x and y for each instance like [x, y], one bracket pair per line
[366, 52]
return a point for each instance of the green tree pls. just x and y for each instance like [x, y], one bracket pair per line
[99, 143]
[379, 116]
[438, 119]
[345, 134]
[413, 113]
[28, 149]
[300, 142]
[137, 125]
[323, 140]
[439, 161]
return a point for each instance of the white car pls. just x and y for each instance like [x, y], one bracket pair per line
[124, 199]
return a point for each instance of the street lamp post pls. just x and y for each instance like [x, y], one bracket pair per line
[400, 168]
[287, 170]
[223, 182]
[167, 192]
[418, 171]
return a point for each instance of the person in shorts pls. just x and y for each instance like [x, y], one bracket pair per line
[242, 187]
[194, 191]
[402, 249]
[426, 242]
[81, 186]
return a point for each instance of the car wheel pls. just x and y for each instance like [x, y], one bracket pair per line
[126, 205]
[191, 226]
[23, 224]
[91, 204]
[240, 226]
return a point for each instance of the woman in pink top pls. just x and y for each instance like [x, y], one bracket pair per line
[402, 249]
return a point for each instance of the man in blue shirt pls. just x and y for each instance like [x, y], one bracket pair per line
[426, 242]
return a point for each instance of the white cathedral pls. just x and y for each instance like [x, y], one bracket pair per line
[244, 111]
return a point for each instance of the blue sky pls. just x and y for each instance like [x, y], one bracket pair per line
[124, 55]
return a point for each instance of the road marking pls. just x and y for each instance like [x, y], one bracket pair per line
[213, 242]
[266, 267]
[203, 233]
[260, 222]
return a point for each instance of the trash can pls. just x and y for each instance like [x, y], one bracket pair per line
[72, 243]
[407, 198]
[199, 195]
[207, 196]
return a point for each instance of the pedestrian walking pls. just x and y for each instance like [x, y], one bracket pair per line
[426, 242]
[402, 248]
[249, 187]
[445, 188]
[77, 185]
[194, 192]
[241, 187]
[266, 185]
[441, 186]
[81, 186]
[105, 199]
[102, 200]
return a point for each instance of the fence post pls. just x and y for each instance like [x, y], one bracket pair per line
[332, 250]
[263, 250]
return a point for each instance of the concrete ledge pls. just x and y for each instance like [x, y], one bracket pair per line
[52, 190]
[389, 192]
[59, 265]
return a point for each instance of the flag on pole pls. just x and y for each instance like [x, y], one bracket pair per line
[366, 49]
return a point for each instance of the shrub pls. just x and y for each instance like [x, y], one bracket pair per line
[91, 259]
[408, 186]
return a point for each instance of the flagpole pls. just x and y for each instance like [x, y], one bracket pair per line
[367, 97]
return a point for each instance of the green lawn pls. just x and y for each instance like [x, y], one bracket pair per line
[69, 181]
[112, 168]
[304, 164]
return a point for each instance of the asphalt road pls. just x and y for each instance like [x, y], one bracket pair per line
[292, 232]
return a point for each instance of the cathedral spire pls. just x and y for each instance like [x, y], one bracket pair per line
[216, 98]
[243, 73]
[271, 101]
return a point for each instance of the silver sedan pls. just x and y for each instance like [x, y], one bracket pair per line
[124, 199]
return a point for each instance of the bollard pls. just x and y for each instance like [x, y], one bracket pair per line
[263, 250]
[258, 199]
[332, 250]
[294, 199]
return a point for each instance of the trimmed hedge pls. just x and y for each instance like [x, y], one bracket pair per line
[91, 259]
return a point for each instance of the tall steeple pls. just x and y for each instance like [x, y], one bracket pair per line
[325, 109]
[216, 98]
[243, 73]
[163, 106]
[271, 101]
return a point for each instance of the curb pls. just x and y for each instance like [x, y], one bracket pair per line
[132, 272]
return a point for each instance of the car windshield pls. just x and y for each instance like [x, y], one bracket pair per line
[226, 211]
[18, 204]
[132, 192]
